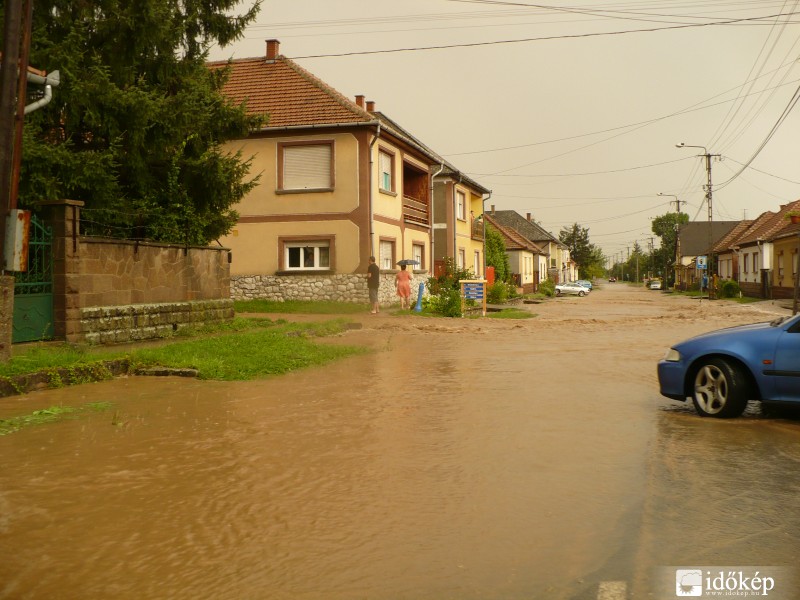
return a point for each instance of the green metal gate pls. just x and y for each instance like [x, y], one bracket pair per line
[33, 290]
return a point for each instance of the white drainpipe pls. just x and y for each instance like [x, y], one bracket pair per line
[371, 177]
[433, 222]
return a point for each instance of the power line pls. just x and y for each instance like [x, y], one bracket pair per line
[546, 38]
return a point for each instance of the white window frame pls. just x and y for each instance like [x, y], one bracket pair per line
[311, 249]
[461, 206]
[461, 258]
[418, 254]
[385, 169]
[386, 254]
[477, 263]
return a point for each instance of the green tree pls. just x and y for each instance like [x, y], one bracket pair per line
[666, 228]
[136, 126]
[496, 255]
[588, 256]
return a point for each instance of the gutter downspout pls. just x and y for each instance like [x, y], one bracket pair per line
[371, 177]
[455, 221]
[49, 82]
[433, 223]
[483, 218]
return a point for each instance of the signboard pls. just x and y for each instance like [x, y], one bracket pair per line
[473, 289]
[702, 262]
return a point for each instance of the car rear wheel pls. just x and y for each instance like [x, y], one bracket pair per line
[581, 294]
[720, 389]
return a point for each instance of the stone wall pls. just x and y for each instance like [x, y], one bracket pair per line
[117, 324]
[108, 290]
[339, 288]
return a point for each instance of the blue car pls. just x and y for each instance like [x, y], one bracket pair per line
[585, 283]
[723, 369]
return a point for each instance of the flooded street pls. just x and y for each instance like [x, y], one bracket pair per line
[463, 459]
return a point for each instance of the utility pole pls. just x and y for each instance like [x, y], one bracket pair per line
[677, 203]
[708, 188]
[10, 71]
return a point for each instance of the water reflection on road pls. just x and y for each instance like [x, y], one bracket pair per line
[460, 461]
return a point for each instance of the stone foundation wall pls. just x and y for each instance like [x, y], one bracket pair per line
[338, 288]
[118, 324]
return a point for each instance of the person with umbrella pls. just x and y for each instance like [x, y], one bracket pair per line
[402, 282]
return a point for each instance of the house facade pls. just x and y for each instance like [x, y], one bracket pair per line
[767, 255]
[697, 238]
[526, 260]
[458, 229]
[339, 182]
[560, 266]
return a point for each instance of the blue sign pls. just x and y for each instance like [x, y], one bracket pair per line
[473, 291]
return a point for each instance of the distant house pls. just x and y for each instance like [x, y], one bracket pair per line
[526, 259]
[727, 257]
[560, 267]
[339, 182]
[695, 240]
[768, 255]
[785, 244]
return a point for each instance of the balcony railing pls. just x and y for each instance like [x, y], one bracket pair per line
[415, 211]
[477, 229]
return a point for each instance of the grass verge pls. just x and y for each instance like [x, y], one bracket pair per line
[240, 349]
[49, 415]
[299, 307]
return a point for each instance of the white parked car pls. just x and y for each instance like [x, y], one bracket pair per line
[571, 288]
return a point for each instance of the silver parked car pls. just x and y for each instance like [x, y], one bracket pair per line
[571, 287]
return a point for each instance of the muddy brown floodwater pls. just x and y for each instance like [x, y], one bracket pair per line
[462, 459]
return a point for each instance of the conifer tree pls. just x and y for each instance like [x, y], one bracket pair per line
[136, 126]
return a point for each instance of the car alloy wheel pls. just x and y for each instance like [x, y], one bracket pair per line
[581, 294]
[720, 389]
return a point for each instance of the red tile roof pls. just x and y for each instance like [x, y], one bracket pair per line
[512, 238]
[729, 239]
[768, 225]
[288, 93]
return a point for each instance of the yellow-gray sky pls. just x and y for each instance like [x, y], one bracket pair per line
[579, 122]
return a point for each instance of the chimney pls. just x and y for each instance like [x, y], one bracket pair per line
[273, 49]
[360, 100]
[529, 217]
[370, 106]
[492, 209]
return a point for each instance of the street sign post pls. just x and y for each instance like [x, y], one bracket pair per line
[473, 289]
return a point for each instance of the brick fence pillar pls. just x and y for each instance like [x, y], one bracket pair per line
[64, 217]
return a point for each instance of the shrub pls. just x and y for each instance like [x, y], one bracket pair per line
[548, 287]
[498, 293]
[729, 289]
[445, 290]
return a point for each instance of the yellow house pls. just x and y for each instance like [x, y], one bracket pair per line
[339, 182]
[458, 204]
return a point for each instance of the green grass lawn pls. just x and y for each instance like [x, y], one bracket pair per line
[299, 307]
[240, 349]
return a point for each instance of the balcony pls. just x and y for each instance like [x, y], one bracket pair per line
[477, 229]
[415, 212]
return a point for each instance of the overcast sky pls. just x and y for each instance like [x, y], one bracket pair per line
[580, 122]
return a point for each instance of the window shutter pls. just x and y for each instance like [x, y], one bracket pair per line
[307, 167]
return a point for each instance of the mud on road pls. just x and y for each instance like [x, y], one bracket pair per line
[461, 459]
